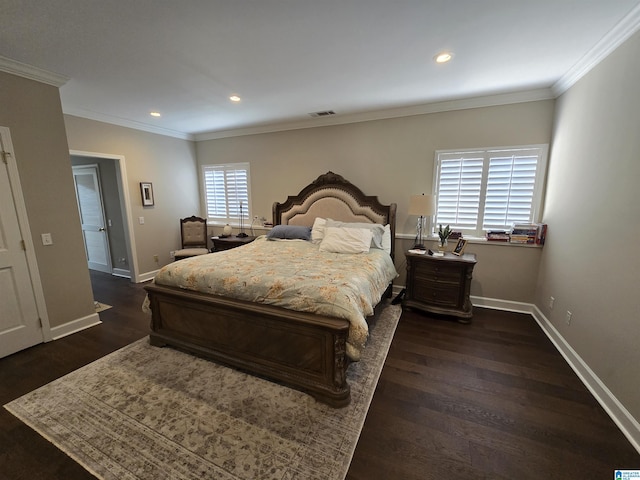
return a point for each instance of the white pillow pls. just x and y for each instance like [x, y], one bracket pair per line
[375, 228]
[346, 240]
[386, 239]
[317, 231]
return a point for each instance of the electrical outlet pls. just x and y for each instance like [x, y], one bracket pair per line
[569, 315]
[551, 302]
[155, 258]
[172, 254]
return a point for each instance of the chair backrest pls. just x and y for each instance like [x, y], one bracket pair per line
[194, 232]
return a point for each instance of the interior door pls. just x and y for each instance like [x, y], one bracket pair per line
[19, 320]
[94, 231]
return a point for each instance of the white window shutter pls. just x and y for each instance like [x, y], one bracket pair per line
[510, 190]
[459, 187]
[480, 190]
[226, 190]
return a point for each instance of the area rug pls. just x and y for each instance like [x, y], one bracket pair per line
[101, 307]
[145, 412]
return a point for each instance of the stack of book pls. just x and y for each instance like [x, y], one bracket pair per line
[498, 236]
[529, 233]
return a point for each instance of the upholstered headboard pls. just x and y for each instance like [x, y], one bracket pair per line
[331, 196]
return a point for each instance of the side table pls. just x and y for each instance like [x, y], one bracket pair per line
[440, 284]
[232, 241]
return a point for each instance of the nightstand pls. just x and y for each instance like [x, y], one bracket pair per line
[440, 284]
[226, 243]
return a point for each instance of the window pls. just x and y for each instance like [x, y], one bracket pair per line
[226, 192]
[480, 190]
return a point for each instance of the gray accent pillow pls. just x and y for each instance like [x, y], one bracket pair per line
[289, 232]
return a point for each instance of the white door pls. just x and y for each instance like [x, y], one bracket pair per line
[92, 217]
[19, 320]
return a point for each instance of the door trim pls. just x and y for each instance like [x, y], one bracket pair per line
[23, 223]
[125, 204]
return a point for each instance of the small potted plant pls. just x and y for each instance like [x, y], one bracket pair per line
[443, 233]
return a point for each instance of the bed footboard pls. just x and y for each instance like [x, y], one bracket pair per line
[301, 350]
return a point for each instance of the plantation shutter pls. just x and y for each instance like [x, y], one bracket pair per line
[480, 190]
[227, 192]
[459, 188]
[510, 189]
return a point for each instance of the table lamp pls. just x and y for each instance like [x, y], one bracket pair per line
[422, 206]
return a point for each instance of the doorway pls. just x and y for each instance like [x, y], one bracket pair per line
[116, 207]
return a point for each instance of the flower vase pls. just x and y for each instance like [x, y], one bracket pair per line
[442, 246]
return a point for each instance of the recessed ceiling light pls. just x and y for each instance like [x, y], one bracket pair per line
[155, 114]
[234, 98]
[443, 57]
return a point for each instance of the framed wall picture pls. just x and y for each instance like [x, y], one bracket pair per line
[146, 190]
[459, 247]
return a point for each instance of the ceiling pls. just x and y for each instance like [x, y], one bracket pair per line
[289, 58]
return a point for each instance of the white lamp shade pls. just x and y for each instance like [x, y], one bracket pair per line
[422, 205]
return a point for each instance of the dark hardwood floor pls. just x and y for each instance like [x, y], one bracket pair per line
[489, 400]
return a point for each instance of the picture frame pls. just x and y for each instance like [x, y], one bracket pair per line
[146, 191]
[459, 248]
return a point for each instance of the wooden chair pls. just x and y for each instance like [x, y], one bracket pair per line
[193, 231]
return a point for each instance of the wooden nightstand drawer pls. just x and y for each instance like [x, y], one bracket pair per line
[437, 293]
[439, 273]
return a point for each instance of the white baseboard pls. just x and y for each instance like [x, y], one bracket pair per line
[627, 424]
[120, 272]
[498, 304]
[145, 277]
[618, 413]
[75, 326]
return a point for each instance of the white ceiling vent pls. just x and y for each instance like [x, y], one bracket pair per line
[326, 113]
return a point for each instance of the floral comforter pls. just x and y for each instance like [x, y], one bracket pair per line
[292, 274]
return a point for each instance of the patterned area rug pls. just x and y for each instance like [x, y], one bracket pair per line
[101, 307]
[147, 413]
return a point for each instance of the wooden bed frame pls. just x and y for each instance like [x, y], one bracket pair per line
[301, 350]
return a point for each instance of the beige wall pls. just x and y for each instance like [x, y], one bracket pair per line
[32, 111]
[168, 163]
[590, 264]
[393, 159]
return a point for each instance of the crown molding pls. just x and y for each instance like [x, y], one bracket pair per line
[629, 25]
[444, 106]
[121, 122]
[32, 73]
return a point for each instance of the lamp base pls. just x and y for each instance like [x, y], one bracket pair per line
[242, 235]
[419, 246]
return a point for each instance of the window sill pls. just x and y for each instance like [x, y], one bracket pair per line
[471, 240]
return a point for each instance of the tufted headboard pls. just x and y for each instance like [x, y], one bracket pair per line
[331, 196]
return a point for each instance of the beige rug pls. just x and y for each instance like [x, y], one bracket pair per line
[150, 413]
[100, 307]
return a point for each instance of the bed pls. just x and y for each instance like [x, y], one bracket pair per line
[307, 348]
